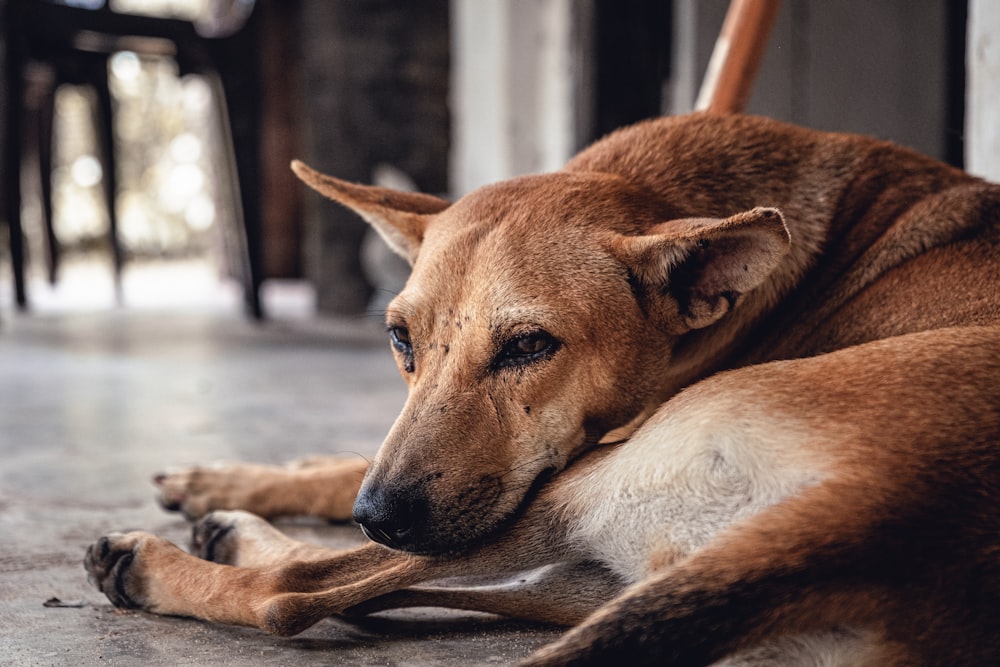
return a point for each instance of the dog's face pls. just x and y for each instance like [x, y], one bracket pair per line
[538, 319]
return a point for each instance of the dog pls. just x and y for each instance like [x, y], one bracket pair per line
[720, 391]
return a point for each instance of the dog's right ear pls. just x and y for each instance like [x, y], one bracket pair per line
[399, 217]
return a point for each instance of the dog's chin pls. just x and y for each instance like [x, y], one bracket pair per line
[457, 535]
[437, 546]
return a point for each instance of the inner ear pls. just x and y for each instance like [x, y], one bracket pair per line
[401, 218]
[705, 264]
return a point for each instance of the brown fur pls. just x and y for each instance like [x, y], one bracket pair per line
[830, 303]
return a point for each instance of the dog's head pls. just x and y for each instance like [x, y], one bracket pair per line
[540, 317]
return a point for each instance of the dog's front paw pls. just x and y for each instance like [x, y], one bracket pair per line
[114, 565]
[234, 537]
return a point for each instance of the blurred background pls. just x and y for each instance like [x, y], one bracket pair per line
[149, 221]
[147, 142]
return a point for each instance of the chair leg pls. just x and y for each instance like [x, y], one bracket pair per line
[45, 120]
[12, 171]
[243, 114]
[105, 131]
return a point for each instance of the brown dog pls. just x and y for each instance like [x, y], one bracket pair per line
[824, 491]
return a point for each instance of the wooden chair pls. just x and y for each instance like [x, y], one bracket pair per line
[76, 43]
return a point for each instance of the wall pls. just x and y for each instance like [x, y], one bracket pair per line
[515, 82]
[983, 110]
[375, 78]
[878, 68]
[525, 89]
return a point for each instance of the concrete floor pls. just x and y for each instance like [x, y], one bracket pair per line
[92, 404]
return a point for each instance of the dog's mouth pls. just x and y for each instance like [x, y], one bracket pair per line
[452, 529]
[457, 542]
[376, 534]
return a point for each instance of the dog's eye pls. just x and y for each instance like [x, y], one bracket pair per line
[400, 337]
[526, 349]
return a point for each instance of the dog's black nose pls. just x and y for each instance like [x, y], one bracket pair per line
[389, 517]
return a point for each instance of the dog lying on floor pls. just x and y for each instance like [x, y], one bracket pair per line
[727, 388]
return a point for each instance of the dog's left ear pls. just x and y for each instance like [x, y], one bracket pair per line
[399, 217]
[704, 264]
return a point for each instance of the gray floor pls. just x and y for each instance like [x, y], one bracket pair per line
[91, 405]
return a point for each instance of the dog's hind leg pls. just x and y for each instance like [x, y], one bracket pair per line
[867, 551]
[323, 487]
[783, 571]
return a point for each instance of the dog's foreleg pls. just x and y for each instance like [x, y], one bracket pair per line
[235, 537]
[532, 570]
[322, 487]
[141, 571]
[138, 570]
[561, 594]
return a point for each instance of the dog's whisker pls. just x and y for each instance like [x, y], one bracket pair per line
[358, 454]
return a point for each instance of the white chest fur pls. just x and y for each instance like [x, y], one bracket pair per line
[699, 465]
[693, 469]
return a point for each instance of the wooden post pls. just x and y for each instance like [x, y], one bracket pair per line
[737, 55]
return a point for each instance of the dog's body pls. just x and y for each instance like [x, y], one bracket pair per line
[824, 489]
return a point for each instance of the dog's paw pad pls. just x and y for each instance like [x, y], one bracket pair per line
[219, 535]
[235, 537]
[111, 565]
[211, 538]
